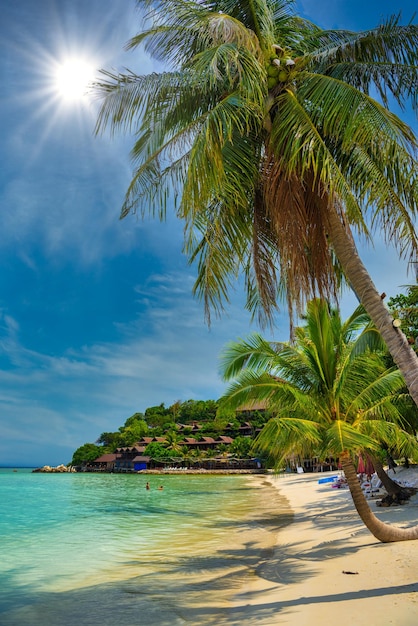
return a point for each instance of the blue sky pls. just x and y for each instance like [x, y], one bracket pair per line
[97, 320]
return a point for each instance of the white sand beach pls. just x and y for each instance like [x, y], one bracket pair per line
[328, 568]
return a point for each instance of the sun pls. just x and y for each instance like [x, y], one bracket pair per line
[72, 78]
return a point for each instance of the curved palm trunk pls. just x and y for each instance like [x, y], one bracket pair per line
[390, 485]
[360, 281]
[383, 532]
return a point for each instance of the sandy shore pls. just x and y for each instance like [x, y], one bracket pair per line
[304, 581]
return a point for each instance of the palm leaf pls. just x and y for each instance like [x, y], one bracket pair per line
[341, 436]
[283, 437]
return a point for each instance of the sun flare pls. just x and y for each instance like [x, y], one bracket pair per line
[72, 79]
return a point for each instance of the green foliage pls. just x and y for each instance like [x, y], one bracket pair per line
[136, 417]
[258, 419]
[214, 427]
[405, 308]
[174, 410]
[134, 432]
[156, 416]
[197, 411]
[241, 447]
[157, 451]
[86, 453]
[330, 392]
[110, 441]
[224, 414]
[172, 441]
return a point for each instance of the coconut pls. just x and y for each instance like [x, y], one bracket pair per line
[273, 70]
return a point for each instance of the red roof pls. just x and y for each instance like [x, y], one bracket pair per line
[224, 439]
[106, 458]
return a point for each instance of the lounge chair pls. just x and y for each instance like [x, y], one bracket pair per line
[372, 487]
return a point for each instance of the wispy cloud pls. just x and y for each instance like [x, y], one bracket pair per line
[165, 354]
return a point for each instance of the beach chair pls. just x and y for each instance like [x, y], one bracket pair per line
[372, 487]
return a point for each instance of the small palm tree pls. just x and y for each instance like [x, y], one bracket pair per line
[331, 394]
[264, 131]
[172, 441]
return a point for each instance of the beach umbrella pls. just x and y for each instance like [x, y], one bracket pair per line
[361, 468]
[369, 469]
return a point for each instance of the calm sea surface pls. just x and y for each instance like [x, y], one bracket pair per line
[87, 549]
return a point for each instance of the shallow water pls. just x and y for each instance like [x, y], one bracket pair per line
[86, 549]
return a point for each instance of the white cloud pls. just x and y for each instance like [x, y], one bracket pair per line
[165, 354]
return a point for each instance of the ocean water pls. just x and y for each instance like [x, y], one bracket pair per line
[87, 549]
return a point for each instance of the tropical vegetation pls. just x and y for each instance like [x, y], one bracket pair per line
[275, 143]
[404, 306]
[165, 422]
[330, 393]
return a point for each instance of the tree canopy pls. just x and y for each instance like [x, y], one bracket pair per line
[273, 139]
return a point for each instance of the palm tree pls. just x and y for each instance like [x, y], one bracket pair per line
[173, 441]
[264, 134]
[331, 393]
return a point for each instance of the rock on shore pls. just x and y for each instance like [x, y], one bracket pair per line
[59, 469]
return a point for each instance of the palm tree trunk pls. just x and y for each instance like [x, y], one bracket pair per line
[383, 532]
[362, 285]
[391, 487]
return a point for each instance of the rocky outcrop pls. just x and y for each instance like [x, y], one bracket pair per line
[59, 469]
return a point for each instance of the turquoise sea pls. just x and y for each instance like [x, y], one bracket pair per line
[90, 549]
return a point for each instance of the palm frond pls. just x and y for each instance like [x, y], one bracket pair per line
[283, 437]
[384, 58]
[255, 353]
[341, 436]
[124, 97]
[374, 391]
[392, 435]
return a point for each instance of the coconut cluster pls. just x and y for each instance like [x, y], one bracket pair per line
[280, 65]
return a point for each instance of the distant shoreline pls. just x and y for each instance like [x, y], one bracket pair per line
[157, 472]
